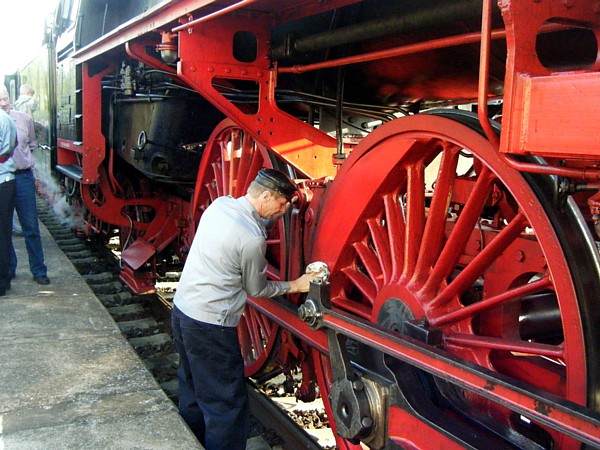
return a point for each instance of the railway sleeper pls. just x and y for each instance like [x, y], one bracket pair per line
[88, 265]
[77, 254]
[113, 287]
[170, 388]
[99, 278]
[60, 232]
[151, 345]
[163, 367]
[119, 299]
[129, 312]
[139, 327]
[66, 241]
[75, 246]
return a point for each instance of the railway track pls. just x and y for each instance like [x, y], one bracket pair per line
[145, 321]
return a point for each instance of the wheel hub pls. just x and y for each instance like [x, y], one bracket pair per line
[393, 315]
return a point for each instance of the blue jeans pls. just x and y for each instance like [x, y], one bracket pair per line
[28, 217]
[213, 397]
[7, 196]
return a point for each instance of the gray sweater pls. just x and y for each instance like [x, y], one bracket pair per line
[8, 136]
[226, 264]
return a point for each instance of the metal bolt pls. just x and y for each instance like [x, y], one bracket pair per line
[304, 313]
[366, 422]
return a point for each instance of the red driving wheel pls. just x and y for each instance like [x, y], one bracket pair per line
[230, 162]
[437, 227]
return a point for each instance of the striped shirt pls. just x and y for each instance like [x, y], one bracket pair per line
[26, 139]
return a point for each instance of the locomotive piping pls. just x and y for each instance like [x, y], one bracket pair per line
[378, 28]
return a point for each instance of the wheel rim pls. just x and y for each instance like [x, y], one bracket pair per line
[229, 163]
[494, 288]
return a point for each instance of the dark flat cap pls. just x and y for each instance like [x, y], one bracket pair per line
[277, 181]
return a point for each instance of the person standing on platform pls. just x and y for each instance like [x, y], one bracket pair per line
[8, 135]
[25, 205]
[26, 102]
[226, 264]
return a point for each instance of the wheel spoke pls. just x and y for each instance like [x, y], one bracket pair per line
[362, 282]
[415, 216]
[380, 239]
[232, 158]
[217, 168]
[481, 262]
[457, 240]
[435, 226]
[396, 233]
[371, 263]
[492, 302]
[509, 345]
[213, 193]
[247, 151]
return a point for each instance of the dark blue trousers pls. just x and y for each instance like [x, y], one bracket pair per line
[7, 200]
[213, 398]
[28, 217]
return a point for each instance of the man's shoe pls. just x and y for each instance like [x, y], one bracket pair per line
[43, 279]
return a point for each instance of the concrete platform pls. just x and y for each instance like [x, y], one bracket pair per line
[68, 378]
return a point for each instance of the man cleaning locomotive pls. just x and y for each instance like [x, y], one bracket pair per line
[25, 204]
[226, 264]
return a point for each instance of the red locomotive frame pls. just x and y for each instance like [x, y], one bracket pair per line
[460, 312]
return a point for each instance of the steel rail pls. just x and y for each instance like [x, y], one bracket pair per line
[271, 416]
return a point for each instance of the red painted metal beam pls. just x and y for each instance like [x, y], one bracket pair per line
[94, 142]
[286, 315]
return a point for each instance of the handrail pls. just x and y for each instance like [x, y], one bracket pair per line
[218, 13]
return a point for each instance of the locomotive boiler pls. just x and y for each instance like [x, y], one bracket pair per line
[447, 154]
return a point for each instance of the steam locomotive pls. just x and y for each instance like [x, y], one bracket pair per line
[447, 154]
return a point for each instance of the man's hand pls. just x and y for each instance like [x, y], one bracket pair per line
[303, 283]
